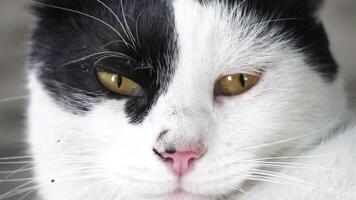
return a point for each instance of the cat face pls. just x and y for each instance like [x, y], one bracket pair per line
[168, 131]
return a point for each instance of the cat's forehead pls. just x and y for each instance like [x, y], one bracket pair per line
[151, 41]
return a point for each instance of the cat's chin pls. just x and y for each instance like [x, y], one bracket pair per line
[179, 194]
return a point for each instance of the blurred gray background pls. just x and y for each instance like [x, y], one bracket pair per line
[15, 27]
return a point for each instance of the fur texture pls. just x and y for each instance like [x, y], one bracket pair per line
[276, 141]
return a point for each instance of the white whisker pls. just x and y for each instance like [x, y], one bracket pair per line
[126, 24]
[2, 180]
[89, 16]
[10, 99]
[26, 195]
[119, 21]
[14, 191]
[271, 21]
[89, 56]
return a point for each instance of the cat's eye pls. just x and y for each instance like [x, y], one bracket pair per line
[119, 84]
[235, 84]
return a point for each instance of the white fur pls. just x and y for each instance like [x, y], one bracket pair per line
[101, 156]
[327, 172]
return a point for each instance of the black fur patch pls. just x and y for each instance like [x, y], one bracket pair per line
[69, 30]
[306, 30]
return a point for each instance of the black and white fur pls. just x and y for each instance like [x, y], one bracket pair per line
[286, 138]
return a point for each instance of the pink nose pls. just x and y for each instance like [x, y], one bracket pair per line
[181, 162]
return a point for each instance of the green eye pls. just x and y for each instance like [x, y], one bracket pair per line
[235, 84]
[119, 84]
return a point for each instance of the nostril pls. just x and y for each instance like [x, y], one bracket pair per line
[191, 161]
[169, 160]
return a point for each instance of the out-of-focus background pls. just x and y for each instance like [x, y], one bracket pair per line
[16, 22]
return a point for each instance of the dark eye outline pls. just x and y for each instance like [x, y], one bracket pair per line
[242, 80]
[111, 92]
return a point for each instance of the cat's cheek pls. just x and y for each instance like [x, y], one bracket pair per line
[125, 150]
[219, 171]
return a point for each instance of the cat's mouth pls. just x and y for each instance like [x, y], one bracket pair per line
[179, 193]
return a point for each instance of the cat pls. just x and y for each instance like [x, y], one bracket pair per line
[187, 100]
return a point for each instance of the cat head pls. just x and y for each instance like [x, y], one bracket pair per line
[183, 97]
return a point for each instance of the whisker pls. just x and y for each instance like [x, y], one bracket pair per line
[89, 16]
[112, 42]
[118, 20]
[103, 58]
[108, 194]
[225, 195]
[282, 141]
[15, 158]
[20, 190]
[38, 156]
[13, 191]
[2, 180]
[84, 189]
[26, 195]
[125, 21]
[322, 131]
[294, 166]
[288, 157]
[14, 180]
[15, 163]
[293, 180]
[19, 171]
[10, 99]
[273, 20]
[286, 164]
[136, 26]
[271, 180]
[77, 160]
[245, 192]
[89, 56]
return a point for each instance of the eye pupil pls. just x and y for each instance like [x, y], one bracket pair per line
[119, 81]
[243, 80]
